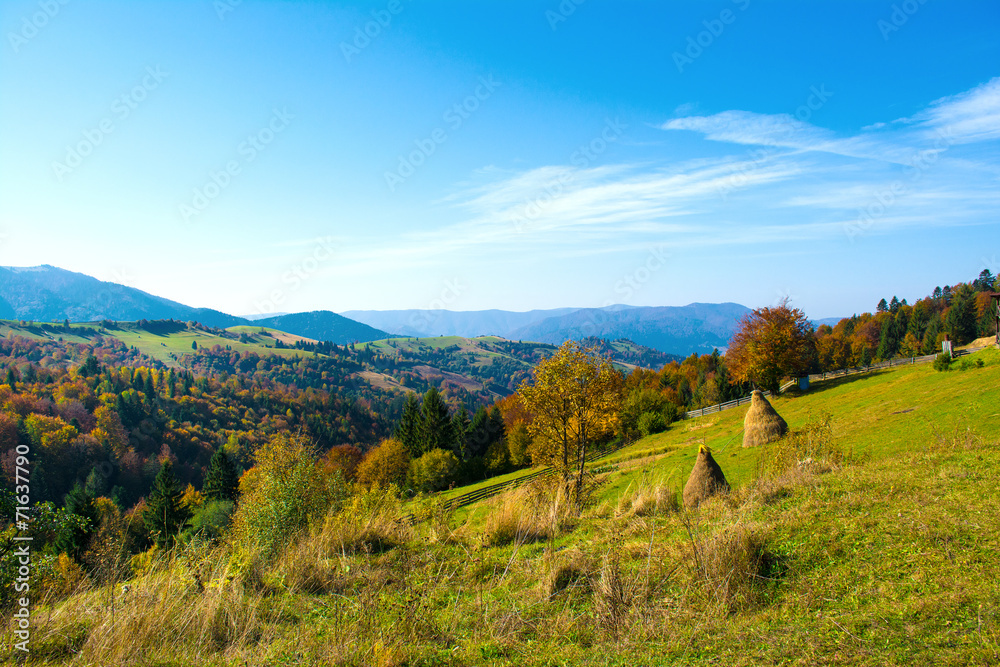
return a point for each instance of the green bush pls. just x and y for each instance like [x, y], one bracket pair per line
[639, 403]
[210, 519]
[434, 471]
[281, 495]
[969, 363]
[651, 422]
[943, 362]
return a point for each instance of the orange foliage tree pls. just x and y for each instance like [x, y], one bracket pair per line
[770, 344]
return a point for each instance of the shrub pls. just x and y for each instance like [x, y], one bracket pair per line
[943, 362]
[210, 519]
[650, 423]
[519, 445]
[434, 471]
[286, 490]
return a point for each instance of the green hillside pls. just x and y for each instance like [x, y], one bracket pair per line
[884, 549]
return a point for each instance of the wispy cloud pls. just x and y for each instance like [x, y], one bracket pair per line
[805, 185]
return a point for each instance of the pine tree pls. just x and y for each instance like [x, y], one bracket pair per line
[221, 482]
[882, 306]
[410, 426]
[460, 431]
[961, 323]
[436, 431]
[478, 440]
[73, 541]
[165, 515]
[148, 388]
[894, 305]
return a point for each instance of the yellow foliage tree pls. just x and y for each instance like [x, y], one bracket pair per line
[575, 396]
[384, 465]
[109, 429]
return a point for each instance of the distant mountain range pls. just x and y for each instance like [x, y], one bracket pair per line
[698, 327]
[50, 294]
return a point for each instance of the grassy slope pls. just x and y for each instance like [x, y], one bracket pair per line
[893, 559]
[166, 348]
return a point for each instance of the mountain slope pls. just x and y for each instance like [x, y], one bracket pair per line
[697, 327]
[48, 293]
[467, 324]
[324, 325]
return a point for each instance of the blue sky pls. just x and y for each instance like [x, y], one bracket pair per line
[272, 156]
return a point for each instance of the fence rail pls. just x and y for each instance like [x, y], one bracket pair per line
[818, 377]
[498, 488]
[495, 489]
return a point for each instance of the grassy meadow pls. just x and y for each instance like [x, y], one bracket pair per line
[870, 535]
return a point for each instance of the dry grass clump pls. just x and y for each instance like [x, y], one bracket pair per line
[571, 572]
[649, 498]
[734, 566]
[706, 480]
[372, 522]
[158, 611]
[616, 593]
[534, 512]
[762, 424]
[811, 449]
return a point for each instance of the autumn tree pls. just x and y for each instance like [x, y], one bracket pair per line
[574, 396]
[383, 465]
[770, 344]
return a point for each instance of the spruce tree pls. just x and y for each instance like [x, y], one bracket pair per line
[460, 431]
[436, 428]
[221, 482]
[165, 515]
[410, 426]
[74, 540]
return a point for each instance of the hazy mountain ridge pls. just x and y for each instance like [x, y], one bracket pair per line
[697, 327]
[48, 293]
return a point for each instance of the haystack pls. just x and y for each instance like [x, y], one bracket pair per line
[762, 424]
[705, 481]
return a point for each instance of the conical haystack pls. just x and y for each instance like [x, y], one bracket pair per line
[705, 481]
[762, 424]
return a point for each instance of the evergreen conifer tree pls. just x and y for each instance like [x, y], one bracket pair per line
[221, 482]
[165, 515]
[409, 430]
[436, 428]
[74, 540]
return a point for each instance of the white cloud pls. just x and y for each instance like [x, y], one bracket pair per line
[968, 117]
